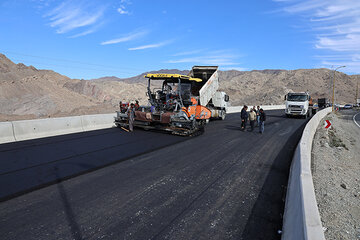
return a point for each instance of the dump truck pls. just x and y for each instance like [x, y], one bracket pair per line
[299, 104]
[180, 104]
[207, 90]
[323, 102]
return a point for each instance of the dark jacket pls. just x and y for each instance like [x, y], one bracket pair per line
[262, 116]
[244, 114]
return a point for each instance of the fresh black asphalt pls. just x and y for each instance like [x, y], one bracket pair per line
[223, 184]
[357, 118]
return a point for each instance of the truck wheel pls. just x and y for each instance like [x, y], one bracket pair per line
[223, 115]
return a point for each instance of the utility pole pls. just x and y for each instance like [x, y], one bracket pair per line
[357, 91]
[333, 97]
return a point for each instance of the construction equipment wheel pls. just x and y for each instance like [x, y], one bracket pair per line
[223, 115]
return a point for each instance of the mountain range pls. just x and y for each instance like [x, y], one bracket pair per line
[28, 93]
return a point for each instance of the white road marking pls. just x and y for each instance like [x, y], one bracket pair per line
[355, 120]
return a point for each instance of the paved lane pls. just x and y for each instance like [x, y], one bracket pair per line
[28, 165]
[224, 184]
[356, 119]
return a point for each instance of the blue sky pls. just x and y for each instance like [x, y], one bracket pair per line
[94, 38]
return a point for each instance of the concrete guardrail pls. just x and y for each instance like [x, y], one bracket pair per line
[301, 215]
[6, 132]
[38, 128]
[235, 109]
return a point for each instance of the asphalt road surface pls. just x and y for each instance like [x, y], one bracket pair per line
[224, 184]
[356, 118]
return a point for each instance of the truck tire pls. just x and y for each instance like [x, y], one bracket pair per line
[306, 115]
[223, 115]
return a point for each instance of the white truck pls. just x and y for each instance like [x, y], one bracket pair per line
[207, 90]
[298, 104]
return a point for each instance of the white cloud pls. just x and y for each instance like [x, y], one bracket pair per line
[122, 10]
[83, 33]
[336, 25]
[349, 42]
[128, 37]
[155, 45]
[224, 57]
[188, 53]
[69, 16]
[306, 5]
[89, 31]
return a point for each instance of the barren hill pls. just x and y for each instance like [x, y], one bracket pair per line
[266, 87]
[140, 78]
[26, 92]
[270, 86]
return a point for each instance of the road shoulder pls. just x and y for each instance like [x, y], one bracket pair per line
[335, 168]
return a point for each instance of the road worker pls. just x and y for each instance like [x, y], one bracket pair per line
[262, 120]
[131, 116]
[244, 117]
[252, 118]
[137, 106]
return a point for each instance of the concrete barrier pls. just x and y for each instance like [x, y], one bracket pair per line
[98, 121]
[235, 109]
[30, 129]
[39, 128]
[301, 215]
[6, 132]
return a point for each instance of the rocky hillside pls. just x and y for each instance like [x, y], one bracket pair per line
[263, 87]
[270, 86]
[26, 92]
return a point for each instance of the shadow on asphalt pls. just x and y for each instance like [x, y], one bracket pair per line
[276, 116]
[58, 175]
[70, 216]
[265, 220]
[233, 127]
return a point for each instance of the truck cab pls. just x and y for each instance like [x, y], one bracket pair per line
[298, 104]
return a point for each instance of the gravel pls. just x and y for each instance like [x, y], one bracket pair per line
[336, 176]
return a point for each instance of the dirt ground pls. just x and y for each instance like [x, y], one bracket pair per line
[336, 176]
